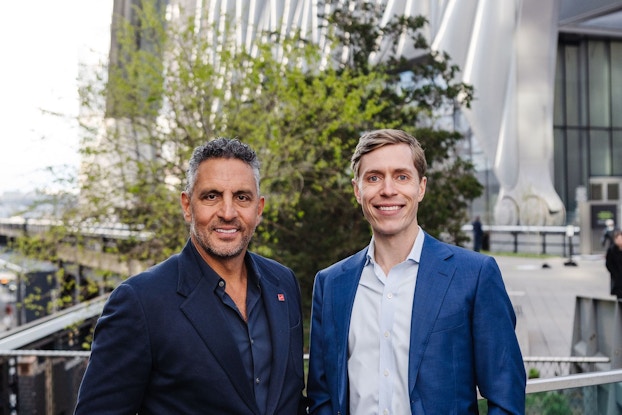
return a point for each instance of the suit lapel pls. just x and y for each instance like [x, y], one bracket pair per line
[433, 279]
[205, 314]
[343, 292]
[277, 311]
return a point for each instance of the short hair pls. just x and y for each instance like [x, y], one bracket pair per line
[221, 147]
[373, 140]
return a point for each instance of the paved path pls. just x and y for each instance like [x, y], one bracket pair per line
[544, 298]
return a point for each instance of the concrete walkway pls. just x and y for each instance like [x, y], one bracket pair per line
[544, 291]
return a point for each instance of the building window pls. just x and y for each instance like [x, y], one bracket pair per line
[587, 121]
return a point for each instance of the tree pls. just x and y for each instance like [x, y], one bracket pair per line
[302, 116]
[326, 224]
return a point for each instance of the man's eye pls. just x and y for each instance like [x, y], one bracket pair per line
[373, 178]
[402, 177]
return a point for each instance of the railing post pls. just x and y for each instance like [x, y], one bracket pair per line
[569, 235]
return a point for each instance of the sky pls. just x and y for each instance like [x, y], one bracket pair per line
[42, 43]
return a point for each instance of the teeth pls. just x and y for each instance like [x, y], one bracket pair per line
[389, 207]
[227, 230]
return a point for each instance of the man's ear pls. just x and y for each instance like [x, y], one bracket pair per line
[357, 192]
[184, 200]
[422, 186]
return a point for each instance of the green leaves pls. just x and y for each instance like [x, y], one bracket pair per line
[174, 85]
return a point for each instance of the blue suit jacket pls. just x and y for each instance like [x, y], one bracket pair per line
[462, 335]
[162, 346]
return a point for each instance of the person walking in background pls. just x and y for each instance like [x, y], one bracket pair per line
[409, 325]
[214, 329]
[613, 262]
[607, 238]
[478, 234]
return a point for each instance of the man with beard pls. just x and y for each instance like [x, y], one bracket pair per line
[214, 329]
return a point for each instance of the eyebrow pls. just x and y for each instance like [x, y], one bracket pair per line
[399, 170]
[248, 191]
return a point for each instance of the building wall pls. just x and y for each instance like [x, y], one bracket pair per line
[588, 119]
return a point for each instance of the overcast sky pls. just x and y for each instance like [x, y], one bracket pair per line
[41, 45]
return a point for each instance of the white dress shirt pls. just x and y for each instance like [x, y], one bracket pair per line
[379, 336]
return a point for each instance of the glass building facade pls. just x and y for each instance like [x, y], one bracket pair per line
[588, 120]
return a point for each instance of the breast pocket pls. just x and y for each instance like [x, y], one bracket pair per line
[450, 322]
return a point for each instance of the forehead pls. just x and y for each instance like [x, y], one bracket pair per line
[388, 157]
[223, 173]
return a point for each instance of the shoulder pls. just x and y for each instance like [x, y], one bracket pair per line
[266, 264]
[272, 270]
[453, 253]
[162, 277]
[353, 261]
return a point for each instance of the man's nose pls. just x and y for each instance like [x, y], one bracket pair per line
[388, 186]
[227, 209]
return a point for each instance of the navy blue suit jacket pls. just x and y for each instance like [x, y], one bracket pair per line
[161, 345]
[462, 335]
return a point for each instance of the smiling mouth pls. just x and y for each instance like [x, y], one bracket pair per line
[226, 231]
[389, 208]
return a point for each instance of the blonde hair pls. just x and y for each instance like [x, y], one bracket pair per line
[373, 140]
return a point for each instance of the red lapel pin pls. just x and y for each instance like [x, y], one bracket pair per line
[281, 297]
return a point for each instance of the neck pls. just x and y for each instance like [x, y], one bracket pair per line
[392, 250]
[232, 269]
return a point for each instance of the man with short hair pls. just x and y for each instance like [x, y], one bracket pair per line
[214, 329]
[409, 325]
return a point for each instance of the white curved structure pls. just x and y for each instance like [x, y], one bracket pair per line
[507, 51]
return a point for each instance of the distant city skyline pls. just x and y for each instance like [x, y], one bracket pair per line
[42, 44]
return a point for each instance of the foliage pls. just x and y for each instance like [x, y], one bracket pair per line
[547, 403]
[170, 87]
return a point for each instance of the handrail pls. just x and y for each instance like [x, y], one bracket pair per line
[35, 330]
[533, 385]
[574, 381]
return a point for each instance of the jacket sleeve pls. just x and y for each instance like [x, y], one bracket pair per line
[500, 370]
[317, 386]
[120, 361]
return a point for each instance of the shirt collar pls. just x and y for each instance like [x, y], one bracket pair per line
[413, 255]
[214, 279]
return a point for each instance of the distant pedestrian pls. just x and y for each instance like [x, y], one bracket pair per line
[478, 234]
[607, 239]
[614, 263]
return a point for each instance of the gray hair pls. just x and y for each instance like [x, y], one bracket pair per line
[221, 148]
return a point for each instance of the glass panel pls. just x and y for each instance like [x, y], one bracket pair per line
[613, 191]
[573, 98]
[599, 84]
[595, 400]
[573, 169]
[596, 191]
[600, 154]
[558, 106]
[602, 399]
[617, 150]
[559, 166]
[616, 83]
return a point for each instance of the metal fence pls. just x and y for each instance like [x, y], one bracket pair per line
[47, 381]
[40, 381]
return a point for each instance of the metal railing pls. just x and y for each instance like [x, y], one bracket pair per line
[519, 238]
[530, 239]
[28, 386]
